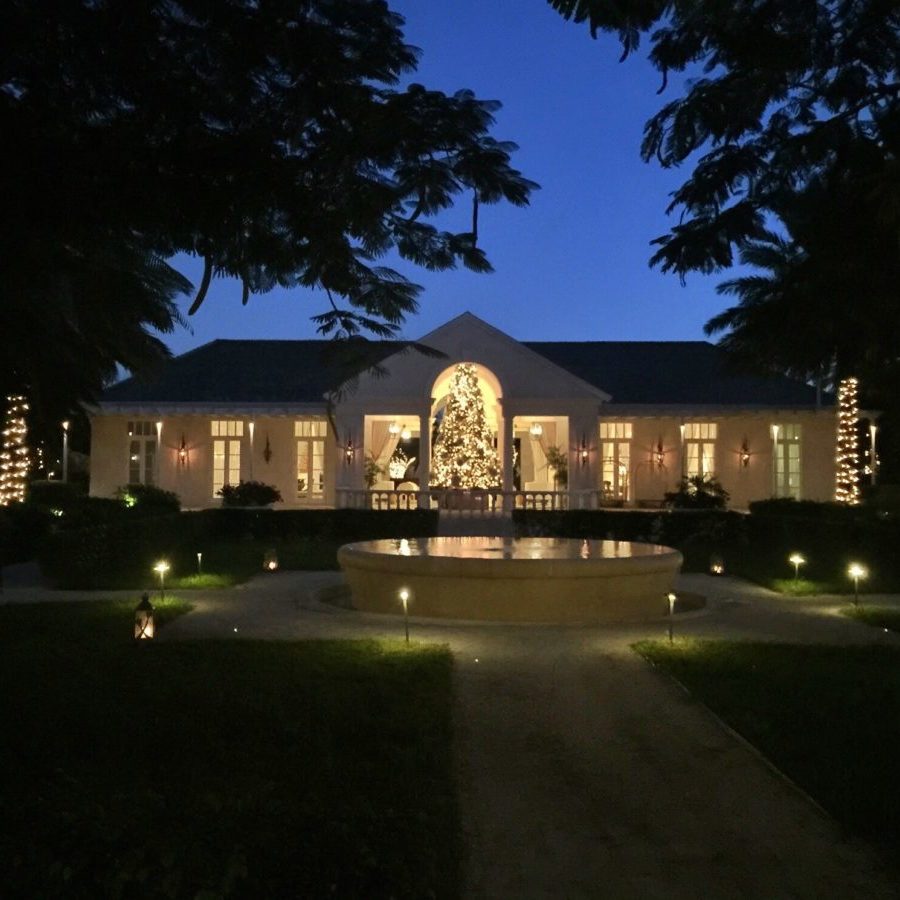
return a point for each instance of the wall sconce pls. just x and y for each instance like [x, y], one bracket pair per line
[536, 429]
[267, 450]
[659, 455]
[583, 454]
[745, 454]
[182, 452]
[348, 451]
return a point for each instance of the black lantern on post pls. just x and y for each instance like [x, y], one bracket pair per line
[144, 624]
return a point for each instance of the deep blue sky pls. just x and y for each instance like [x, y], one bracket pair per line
[573, 266]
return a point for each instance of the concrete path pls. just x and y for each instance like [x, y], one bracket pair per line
[584, 773]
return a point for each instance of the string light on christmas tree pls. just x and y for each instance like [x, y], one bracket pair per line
[464, 454]
[14, 458]
[847, 458]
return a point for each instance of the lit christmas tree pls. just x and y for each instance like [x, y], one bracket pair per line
[14, 456]
[847, 460]
[464, 455]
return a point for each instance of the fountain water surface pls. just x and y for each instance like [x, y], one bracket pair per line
[512, 579]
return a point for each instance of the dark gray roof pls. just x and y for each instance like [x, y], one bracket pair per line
[679, 373]
[676, 373]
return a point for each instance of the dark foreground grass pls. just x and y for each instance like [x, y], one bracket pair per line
[876, 616]
[220, 769]
[826, 716]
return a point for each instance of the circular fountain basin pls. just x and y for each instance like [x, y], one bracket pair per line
[512, 579]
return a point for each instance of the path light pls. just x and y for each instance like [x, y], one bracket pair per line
[161, 568]
[797, 560]
[199, 563]
[716, 565]
[270, 560]
[144, 626]
[404, 599]
[857, 571]
[670, 599]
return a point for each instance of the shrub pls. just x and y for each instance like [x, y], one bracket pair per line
[54, 494]
[23, 527]
[148, 500]
[698, 492]
[249, 493]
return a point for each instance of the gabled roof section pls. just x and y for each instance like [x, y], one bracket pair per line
[678, 373]
[673, 373]
[253, 371]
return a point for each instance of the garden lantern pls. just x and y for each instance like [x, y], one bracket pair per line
[161, 568]
[144, 626]
[856, 571]
[797, 560]
[716, 565]
[270, 560]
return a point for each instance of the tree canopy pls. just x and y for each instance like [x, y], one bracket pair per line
[790, 117]
[273, 140]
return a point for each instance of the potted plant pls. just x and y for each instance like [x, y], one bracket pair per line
[559, 463]
[371, 471]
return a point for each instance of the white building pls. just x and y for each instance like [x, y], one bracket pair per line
[631, 418]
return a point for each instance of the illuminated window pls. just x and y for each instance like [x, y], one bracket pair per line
[787, 461]
[615, 459]
[700, 448]
[310, 435]
[141, 453]
[226, 453]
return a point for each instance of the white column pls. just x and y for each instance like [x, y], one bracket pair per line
[425, 458]
[506, 448]
[158, 453]
[251, 427]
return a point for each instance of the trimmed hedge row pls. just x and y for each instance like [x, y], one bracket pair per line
[120, 552]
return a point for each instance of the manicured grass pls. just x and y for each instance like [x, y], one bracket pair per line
[204, 581]
[803, 587]
[826, 716]
[876, 616]
[232, 768]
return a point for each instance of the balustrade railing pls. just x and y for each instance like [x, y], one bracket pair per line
[474, 503]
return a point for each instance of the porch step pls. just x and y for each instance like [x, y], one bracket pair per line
[455, 524]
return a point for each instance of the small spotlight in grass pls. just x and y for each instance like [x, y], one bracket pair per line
[671, 598]
[161, 568]
[857, 571]
[797, 560]
[270, 560]
[404, 599]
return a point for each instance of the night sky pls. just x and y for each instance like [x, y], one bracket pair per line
[572, 266]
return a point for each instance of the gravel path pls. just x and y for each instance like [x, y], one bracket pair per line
[584, 773]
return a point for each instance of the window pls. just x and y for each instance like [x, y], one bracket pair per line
[787, 460]
[226, 453]
[310, 435]
[699, 448]
[141, 453]
[615, 459]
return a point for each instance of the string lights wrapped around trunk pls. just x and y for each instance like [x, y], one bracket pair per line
[847, 459]
[14, 458]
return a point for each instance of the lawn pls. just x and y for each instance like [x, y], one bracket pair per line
[877, 616]
[220, 769]
[826, 716]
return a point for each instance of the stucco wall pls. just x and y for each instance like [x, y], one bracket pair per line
[193, 480]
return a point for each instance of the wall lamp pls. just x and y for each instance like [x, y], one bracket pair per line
[583, 455]
[745, 454]
[349, 450]
[659, 455]
[183, 452]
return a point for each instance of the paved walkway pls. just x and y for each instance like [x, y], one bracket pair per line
[584, 773]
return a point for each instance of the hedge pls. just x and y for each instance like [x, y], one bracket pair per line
[122, 551]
